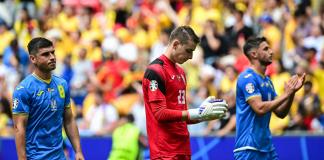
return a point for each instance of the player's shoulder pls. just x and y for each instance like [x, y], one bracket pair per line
[246, 74]
[27, 84]
[58, 80]
[156, 64]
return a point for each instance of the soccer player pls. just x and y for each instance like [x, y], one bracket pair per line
[256, 99]
[164, 88]
[41, 104]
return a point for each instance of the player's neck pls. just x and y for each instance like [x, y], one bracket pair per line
[42, 75]
[168, 55]
[260, 69]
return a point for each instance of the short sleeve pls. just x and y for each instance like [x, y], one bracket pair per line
[248, 86]
[20, 101]
[155, 85]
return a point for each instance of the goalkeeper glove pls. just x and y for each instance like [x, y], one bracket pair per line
[210, 109]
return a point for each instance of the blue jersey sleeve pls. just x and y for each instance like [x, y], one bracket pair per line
[248, 85]
[20, 101]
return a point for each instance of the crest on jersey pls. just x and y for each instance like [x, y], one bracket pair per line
[153, 85]
[53, 105]
[15, 103]
[249, 88]
[61, 91]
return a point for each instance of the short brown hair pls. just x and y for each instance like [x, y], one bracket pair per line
[184, 34]
[252, 43]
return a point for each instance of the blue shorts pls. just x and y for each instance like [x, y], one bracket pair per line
[255, 155]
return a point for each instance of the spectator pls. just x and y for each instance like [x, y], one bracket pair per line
[214, 44]
[16, 57]
[308, 108]
[101, 119]
[83, 73]
[239, 32]
[6, 124]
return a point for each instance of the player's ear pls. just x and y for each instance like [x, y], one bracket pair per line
[175, 44]
[32, 58]
[253, 54]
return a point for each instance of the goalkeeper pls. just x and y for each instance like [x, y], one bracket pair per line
[164, 89]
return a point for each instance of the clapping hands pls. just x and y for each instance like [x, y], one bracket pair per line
[295, 83]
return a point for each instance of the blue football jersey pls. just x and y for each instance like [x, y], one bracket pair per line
[252, 131]
[44, 103]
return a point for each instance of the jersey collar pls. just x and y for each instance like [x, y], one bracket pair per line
[167, 60]
[47, 81]
[255, 71]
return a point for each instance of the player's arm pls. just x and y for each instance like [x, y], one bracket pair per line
[283, 110]
[163, 114]
[210, 109]
[20, 123]
[20, 111]
[262, 107]
[72, 132]
[154, 84]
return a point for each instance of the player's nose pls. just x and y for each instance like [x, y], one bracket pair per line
[190, 56]
[52, 56]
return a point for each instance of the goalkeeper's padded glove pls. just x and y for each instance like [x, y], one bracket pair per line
[210, 109]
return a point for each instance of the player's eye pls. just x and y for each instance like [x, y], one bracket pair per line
[189, 50]
[45, 53]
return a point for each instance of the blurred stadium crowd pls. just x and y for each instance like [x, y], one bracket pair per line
[103, 47]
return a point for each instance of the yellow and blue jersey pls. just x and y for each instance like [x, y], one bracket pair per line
[44, 103]
[252, 131]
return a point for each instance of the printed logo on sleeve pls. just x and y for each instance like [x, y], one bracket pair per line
[15, 103]
[248, 75]
[19, 87]
[249, 88]
[153, 85]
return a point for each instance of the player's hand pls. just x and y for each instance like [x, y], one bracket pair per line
[290, 85]
[210, 109]
[300, 81]
[79, 156]
[295, 83]
[215, 109]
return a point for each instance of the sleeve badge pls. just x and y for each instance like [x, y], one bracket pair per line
[249, 88]
[153, 85]
[15, 103]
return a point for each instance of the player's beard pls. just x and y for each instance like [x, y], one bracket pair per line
[45, 68]
[265, 62]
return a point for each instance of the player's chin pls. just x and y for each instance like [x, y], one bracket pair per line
[51, 68]
[52, 65]
[182, 61]
[268, 62]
